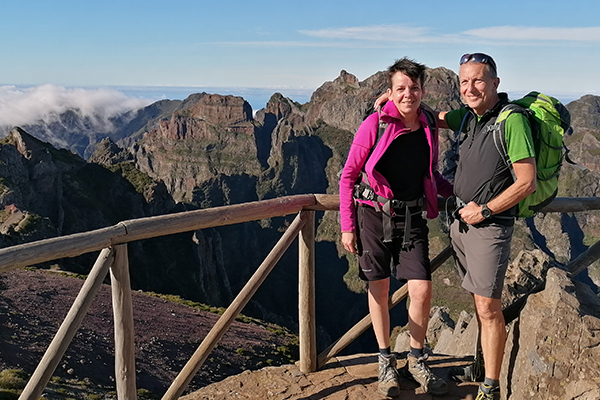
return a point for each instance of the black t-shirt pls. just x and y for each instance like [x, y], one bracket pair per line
[405, 163]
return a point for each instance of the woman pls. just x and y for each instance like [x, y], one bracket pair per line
[381, 218]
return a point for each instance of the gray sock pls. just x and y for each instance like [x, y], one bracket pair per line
[490, 384]
[416, 352]
[385, 352]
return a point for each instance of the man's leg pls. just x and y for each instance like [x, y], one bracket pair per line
[493, 338]
[493, 334]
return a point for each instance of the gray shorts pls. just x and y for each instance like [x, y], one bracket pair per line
[482, 257]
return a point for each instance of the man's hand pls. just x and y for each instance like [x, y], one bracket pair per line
[381, 99]
[471, 213]
[349, 241]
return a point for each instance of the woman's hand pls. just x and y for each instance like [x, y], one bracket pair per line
[381, 99]
[349, 241]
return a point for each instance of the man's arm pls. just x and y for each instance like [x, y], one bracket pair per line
[524, 185]
[441, 119]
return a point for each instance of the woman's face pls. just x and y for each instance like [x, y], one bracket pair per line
[406, 94]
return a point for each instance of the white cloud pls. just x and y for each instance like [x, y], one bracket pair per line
[46, 102]
[386, 33]
[524, 33]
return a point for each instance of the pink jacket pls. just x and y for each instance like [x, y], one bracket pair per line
[359, 151]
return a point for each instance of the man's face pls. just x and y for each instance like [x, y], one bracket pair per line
[477, 87]
[405, 93]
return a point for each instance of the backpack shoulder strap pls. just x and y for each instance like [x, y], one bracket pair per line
[458, 134]
[431, 120]
[382, 126]
[498, 130]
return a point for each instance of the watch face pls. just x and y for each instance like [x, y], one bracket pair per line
[485, 212]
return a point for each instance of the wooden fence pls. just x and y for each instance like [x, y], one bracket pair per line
[113, 259]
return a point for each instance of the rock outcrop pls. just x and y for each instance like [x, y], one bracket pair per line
[553, 349]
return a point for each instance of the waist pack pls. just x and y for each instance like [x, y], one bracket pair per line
[550, 121]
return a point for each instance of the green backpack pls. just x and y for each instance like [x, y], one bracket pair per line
[550, 121]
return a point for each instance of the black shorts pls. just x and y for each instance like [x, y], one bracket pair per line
[377, 259]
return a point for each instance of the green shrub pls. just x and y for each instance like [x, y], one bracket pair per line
[13, 379]
[145, 394]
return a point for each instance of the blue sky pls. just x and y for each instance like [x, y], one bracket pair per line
[280, 44]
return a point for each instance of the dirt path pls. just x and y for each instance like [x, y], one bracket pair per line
[343, 378]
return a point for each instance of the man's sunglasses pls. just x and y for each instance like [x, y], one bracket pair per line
[479, 58]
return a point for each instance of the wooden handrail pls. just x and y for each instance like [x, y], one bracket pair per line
[26, 254]
[144, 228]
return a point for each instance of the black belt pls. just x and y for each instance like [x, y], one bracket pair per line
[390, 206]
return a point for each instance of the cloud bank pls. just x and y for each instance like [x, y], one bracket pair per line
[45, 103]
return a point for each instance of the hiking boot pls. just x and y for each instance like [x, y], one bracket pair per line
[418, 370]
[388, 376]
[474, 372]
[486, 392]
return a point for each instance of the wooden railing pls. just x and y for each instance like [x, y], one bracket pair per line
[113, 258]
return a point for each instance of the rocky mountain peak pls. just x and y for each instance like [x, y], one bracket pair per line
[27, 145]
[279, 106]
[217, 109]
[346, 78]
[109, 153]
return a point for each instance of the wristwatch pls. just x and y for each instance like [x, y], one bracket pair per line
[485, 211]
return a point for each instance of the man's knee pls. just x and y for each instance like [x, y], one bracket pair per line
[488, 309]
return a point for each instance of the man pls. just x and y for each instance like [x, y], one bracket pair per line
[486, 196]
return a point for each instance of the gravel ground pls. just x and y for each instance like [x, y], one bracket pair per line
[33, 304]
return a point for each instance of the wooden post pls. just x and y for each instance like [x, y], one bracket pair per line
[67, 330]
[217, 331]
[124, 329]
[365, 323]
[306, 296]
